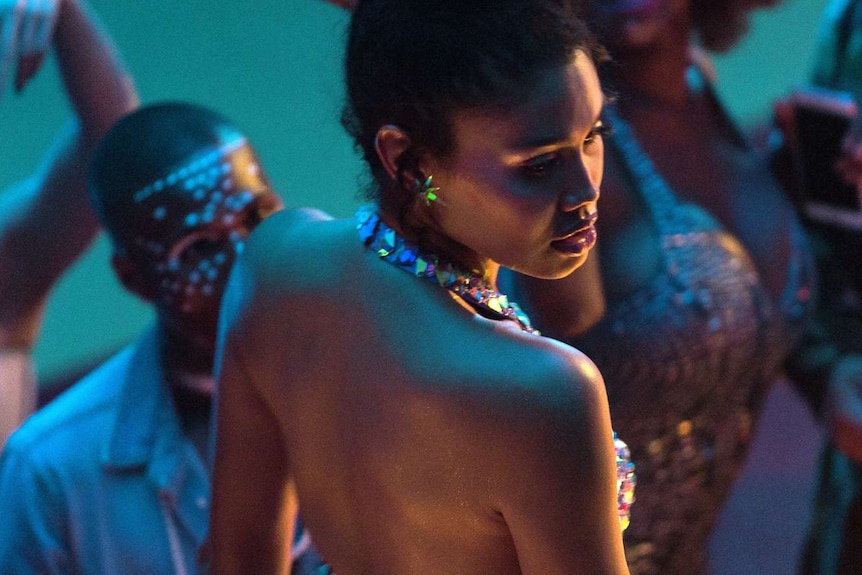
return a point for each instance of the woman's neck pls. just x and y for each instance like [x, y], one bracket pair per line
[424, 232]
[656, 74]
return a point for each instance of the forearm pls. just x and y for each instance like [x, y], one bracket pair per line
[99, 87]
[45, 224]
[46, 221]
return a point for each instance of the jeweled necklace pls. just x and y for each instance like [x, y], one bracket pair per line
[405, 255]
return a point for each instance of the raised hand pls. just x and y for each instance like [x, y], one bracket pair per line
[26, 27]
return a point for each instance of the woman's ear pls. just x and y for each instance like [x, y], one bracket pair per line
[131, 277]
[390, 143]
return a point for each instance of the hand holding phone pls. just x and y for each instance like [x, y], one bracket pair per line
[826, 166]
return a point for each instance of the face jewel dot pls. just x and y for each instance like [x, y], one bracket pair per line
[192, 220]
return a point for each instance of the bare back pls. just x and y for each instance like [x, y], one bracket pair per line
[423, 438]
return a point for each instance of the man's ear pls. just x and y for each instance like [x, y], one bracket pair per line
[391, 142]
[131, 277]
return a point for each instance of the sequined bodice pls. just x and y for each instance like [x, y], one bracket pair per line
[687, 360]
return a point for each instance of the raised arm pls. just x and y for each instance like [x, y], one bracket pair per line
[45, 219]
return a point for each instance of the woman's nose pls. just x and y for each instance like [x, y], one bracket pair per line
[577, 194]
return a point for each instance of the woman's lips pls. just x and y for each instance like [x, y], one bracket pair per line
[578, 242]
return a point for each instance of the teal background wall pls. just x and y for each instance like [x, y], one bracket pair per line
[274, 67]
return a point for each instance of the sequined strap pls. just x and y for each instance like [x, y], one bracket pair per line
[661, 201]
[626, 481]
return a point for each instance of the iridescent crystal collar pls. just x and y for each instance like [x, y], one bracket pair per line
[405, 255]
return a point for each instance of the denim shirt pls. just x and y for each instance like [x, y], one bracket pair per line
[102, 479]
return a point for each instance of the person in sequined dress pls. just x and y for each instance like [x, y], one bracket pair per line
[371, 370]
[836, 528]
[703, 279]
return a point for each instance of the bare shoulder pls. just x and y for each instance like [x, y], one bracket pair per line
[557, 378]
[293, 247]
[278, 285]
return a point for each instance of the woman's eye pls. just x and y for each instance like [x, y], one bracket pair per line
[540, 165]
[599, 131]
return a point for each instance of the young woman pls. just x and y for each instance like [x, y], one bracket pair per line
[705, 275]
[371, 369]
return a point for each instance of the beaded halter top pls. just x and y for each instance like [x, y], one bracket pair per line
[487, 301]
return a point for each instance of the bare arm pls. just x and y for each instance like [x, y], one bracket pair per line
[254, 502]
[561, 506]
[45, 220]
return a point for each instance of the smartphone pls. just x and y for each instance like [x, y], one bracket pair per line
[823, 118]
